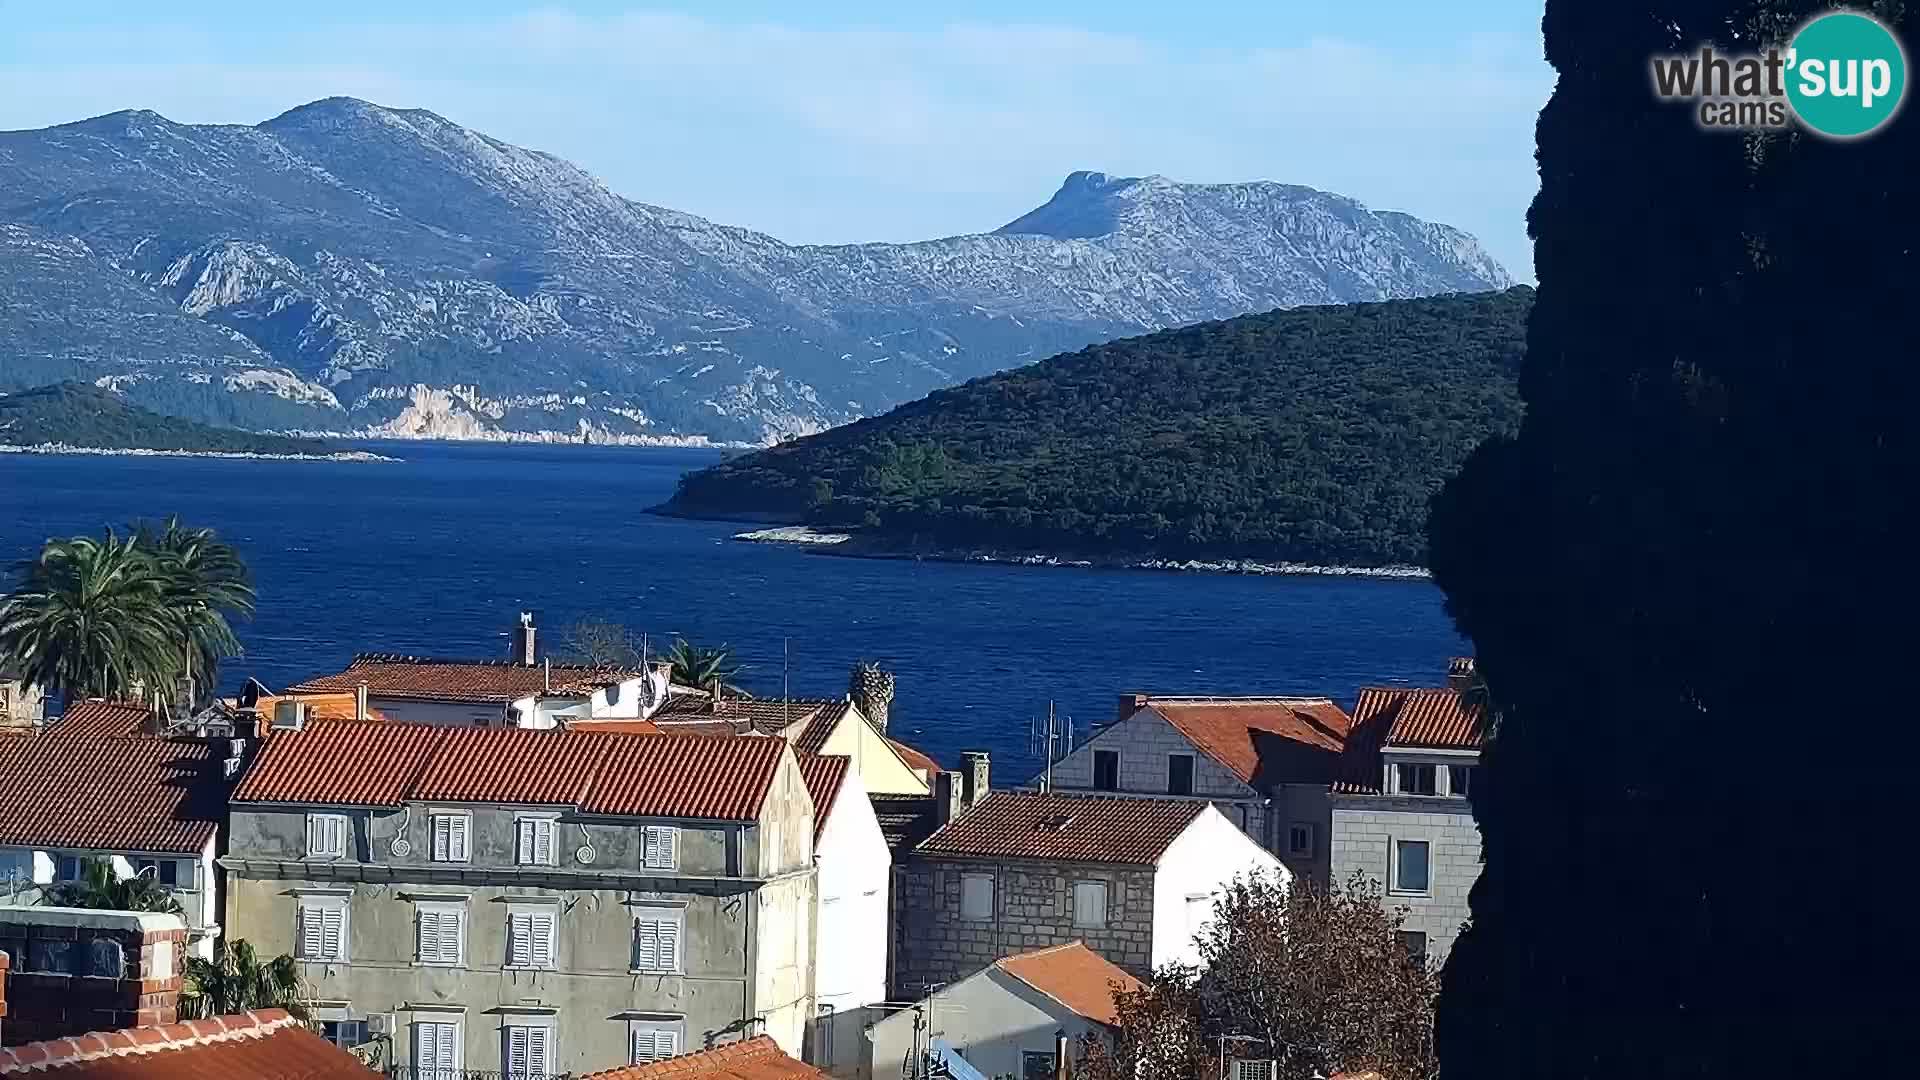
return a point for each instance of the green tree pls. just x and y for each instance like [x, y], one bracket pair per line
[92, 618]
[236, 981]
[1705, 510]
[101, 889]
[695, 665]
[206, 581]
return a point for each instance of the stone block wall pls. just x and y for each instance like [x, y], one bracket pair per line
[1364, 830]
[1033, 908]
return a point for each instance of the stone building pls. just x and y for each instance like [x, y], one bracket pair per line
[1401, 811]
[1133, 878]
[1267, 763]
[544, 901]
[22, 704]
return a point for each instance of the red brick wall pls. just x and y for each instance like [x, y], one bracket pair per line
[49, 1005]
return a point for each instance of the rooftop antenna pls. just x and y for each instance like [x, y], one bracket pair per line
[786, 708]
[1044, 738]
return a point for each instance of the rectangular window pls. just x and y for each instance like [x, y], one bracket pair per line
[344, 1033]
[1410, 869]
[1179, 774]
[323, 929]
[68, 868]
[1090, 904]
[527, 1051]
[652, 1040]
[536, 841]
[1415, 942]
[1460, 781]
[1300, 839]
[531, 934]
[441, 933]
[1106, 770]
[326, 836]
[1416, 779]
[164, 871]
[1253, 1069]
[1036, 1065]
[450, 833]
[656, 940]
[663, 847]
[436, 1051]
[976, 896]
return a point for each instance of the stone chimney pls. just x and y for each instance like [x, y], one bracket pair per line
[949, 792]
[871, 691]
[525, 650]
[974, 767]
[1130, 704]
[1460, 673]
[129, 962]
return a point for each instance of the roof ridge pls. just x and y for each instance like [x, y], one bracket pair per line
[127, 1042]
[411, 658]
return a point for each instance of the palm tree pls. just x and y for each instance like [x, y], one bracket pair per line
[92, 618]
[101, 889]
[206, 579]
[235, 981]
[702, 667]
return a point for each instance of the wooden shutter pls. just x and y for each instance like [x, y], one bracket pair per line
[666, 1042]
[669, 932]
[314, 842]
[457, 841]
[519, 935]
[333, 929]
[540, 932]
[429, 945]
[527, 840]
[442, 839]
[539, 1049]
[661, 844]
[646, 945]
[311, 934]
[517, 1051]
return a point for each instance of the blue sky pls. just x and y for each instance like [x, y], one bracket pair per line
[848, 121]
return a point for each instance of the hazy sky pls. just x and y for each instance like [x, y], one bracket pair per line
[845, 121]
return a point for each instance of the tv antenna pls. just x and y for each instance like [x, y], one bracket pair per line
[1047, 738]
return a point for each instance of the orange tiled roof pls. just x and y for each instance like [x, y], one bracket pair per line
[767, 716]
[1075, 828]
[758, 1058]
[138, 793]
[1231, 731]
[265, 1045]
[480, 681]
[345, 763]
[102, 719]
[1398, 716]
[824, 775]
[915, 759]
[1075, 976]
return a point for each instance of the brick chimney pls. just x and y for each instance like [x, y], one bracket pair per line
[525, 651]
[1130, 704]
[974, 767]
[82, 970]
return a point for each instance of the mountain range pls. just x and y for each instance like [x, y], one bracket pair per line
[349, 268]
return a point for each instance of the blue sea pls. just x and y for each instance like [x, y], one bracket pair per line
[437, 554]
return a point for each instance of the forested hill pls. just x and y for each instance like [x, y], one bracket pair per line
[75, 414]
[1312, 435]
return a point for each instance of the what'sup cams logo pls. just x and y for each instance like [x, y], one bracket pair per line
[1842, 75]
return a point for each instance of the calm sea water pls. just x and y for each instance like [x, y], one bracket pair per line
[436, 555]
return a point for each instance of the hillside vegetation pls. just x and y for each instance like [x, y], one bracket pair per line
[75, 414]
[1313, 434]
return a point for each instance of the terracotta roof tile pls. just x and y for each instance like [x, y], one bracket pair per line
[479, 681]
[759, 1058]
[345, 763]
[95, 718]
[1075, 976]
[1234, 731]
[915, 759]
[1076, 828]
[905, 820]
[821, 726]
[626, 727]
[767, 716]
[1398, 716]
[265, 1045]
[824, 775]
[141, 793]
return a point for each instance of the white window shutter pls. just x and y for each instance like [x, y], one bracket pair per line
[666, 1043]
[311, 934]
[527, 840]
[429, 946]
[642, 1046]
[315, 844]
[538, 1050]
[458, 843]
[669, 945]
[333, 926]
[669, 843]
[520, 931]
[543, 842]
[646, 945]
[541, 932]
[442, 839]
[517, 1038]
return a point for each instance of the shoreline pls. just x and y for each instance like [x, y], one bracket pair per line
[245, 455]
[848, 545]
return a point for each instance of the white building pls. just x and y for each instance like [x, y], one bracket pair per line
[856, 870]
[1010, 1018]
[99, 785]
[477, 693]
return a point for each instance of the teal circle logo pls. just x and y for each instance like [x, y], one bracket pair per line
[1847, 74]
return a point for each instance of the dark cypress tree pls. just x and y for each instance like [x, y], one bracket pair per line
[1686, 580]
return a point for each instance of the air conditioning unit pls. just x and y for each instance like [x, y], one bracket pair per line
[289, 715]
[1252, 1069]
[379, 1025]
